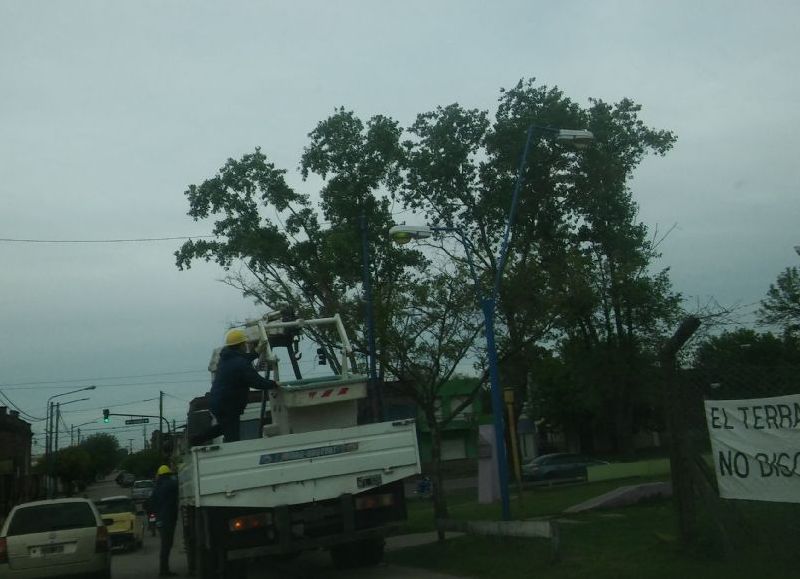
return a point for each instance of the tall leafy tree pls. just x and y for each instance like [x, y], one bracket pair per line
[579, 270]
[104, 452]
[296, 251]
[743, 363]
[781, 307]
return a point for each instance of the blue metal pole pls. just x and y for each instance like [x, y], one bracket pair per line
[488, 306]
[501, 260]
[377, 391]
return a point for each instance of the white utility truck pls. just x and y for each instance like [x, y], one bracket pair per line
[307, 474]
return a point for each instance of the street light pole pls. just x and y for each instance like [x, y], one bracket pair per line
[48, 435]
[377, 393]
[57, 420]
[403, 234]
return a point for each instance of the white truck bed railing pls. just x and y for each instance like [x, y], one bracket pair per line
[300, 468]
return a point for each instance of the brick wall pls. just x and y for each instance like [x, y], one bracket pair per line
[15, 443]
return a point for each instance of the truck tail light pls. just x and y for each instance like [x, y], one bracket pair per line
[249, 522]
[3, 550]
[101, 542]
[374, 501]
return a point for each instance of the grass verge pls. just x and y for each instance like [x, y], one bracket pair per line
[535, 502]
[634, 542]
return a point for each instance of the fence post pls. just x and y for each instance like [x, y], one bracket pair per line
[679, 457]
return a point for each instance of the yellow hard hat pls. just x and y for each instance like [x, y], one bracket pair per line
[234, 337]
[163, 469]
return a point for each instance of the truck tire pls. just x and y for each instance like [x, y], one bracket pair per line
[235, 570]
[370, 552]
[364, 553]
[206, 563]
[344, 556]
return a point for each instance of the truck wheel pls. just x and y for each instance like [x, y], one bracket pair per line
[365, 553]
[344, 556]
[235, 570]
[206, 563]
[370, 552]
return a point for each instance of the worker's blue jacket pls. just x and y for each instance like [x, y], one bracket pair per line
[232, 382]
[164, 500]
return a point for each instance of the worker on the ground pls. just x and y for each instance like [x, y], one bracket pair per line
[165, 504]
[230, 388]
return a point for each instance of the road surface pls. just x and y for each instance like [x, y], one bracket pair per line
[143, 564]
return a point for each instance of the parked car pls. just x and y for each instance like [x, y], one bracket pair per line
[557, 466]
[55, 538]
[142, 489]
[125, 479]
[125, 522]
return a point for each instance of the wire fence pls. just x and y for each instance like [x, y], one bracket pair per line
[761, 529]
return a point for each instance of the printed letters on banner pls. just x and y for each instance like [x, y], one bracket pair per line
[755, 446]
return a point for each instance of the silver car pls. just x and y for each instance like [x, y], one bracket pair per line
[53, 539]
[142, 489]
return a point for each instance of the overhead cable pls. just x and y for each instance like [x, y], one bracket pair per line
[132, 240]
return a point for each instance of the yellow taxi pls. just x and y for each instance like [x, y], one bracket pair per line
[125, 522]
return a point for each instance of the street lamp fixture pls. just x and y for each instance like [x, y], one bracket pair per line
[797, 249]
[577, 138]
[402, 234]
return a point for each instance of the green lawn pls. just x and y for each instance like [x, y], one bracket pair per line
[635, 542]
[537, 502]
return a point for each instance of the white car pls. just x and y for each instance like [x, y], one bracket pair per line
[142, 489]
[55, 538]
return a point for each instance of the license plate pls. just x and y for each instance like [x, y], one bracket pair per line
[45, 550]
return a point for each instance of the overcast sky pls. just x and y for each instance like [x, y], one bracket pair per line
[108, 110]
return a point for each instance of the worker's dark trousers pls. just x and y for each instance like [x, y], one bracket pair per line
[227, 425]
[167, 533]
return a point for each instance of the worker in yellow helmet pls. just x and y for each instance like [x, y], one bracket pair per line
[230, 388]
[165, 505]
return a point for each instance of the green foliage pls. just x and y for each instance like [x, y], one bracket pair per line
[579, 269]
[104, 452]
[74, 465]
[782, 304]
[142, 464]
[578, 279]
[747, 364]
[742, 347]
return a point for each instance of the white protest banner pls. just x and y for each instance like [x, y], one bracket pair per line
[755, 447]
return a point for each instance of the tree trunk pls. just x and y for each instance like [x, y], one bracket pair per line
[624, 426]
[439, 497]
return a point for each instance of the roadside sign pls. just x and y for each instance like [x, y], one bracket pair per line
[137, 421]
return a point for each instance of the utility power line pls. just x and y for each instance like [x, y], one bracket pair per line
[132, 240]
[69, 380]
[18, 409]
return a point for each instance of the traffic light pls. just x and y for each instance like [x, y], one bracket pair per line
[105, 415]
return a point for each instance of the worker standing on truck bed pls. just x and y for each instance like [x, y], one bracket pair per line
[230, 388]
